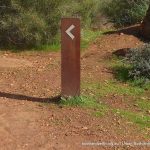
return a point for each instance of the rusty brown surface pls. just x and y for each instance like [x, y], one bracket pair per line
[70, 58]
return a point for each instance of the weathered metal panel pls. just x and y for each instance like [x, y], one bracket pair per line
[70, 56]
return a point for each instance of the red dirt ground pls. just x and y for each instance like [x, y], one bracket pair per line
[28, 124]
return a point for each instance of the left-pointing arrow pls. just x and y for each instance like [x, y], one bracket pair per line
[68, 31]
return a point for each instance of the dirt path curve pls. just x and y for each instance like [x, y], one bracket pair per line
[28, 124]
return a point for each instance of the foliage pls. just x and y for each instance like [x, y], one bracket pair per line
[139, 58]
[102, 89]
[89, 102]
[87, 10]
[35, 23]
[88, 36]
[137, 118]
[144, 104]
[28, 23]
[122, 68]
[126, 12]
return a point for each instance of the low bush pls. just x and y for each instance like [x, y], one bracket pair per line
[87, 10]
[28, 23]
[139, 58]
[126, 12]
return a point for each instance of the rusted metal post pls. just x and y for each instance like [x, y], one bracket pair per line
[70, 57]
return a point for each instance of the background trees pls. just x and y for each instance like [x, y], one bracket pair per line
[28, 23]
[31, 23]
[126, 12]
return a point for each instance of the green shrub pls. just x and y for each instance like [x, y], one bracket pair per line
[28, 23]
[87, 10]
[126, 12]
[139, 59]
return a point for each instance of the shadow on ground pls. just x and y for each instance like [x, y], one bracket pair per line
[132, 30]
[54, 100]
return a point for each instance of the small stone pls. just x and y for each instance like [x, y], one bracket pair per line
[119, 122]
[66, 134]
[121, 33]
[148, 112]
[39, 70]
[143, 98]
[11, 84]
[85, 128]
[136, 105]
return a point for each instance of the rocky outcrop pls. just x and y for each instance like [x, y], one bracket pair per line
[146, 25]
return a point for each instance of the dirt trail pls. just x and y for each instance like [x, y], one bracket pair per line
[29, 125]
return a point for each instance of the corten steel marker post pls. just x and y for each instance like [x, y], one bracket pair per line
[70, 57]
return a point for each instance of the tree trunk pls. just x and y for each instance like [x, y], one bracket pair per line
[146, 25]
